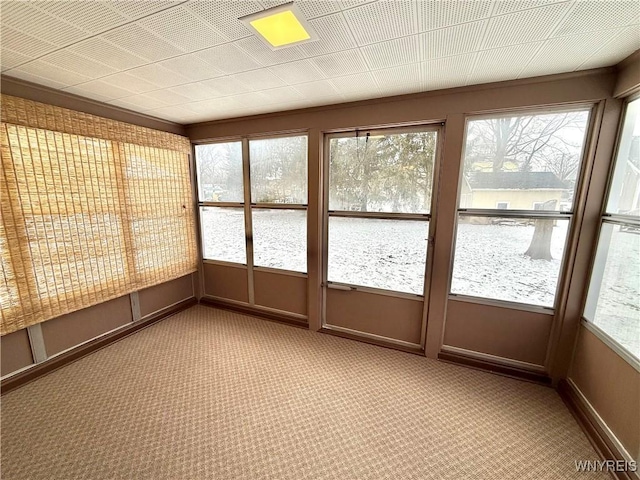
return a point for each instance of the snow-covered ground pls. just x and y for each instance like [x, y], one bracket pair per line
[390, 254]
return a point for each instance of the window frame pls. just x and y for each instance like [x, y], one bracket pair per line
[612, 219]
[531, 214]
[430, 217]
[248, 206]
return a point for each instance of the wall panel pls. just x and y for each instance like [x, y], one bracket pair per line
[156, 298]
[16, 352]
[228, 282]
[280, 291]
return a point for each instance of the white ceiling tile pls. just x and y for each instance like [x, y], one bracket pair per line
[341, 63]
[173, 113]
[209, 107]
[223, 15]
[78, 64]
[158, 75]
[504, 63]
[78, 90]
[191, 67]
[167, 96]
[130, 83]
[194, 91]
[392, 53]
[264, 55]
[297, 72]
[228, 58]
[24, 44]
[25, 17]
[333, 35]
[399, 80]
[356, 87]
[565, 53]
[525, 26]
[353, 3]
[455, 40]
[106, 53]
[589, 16]
[52, 72]
[616, 50]
[105, 89]
[282, 94]
[317, 8]
[10, 59]
[182, 28]
[383, 20]
[447, 72]
[134, 9]
[223, 86]
[30, 77]
[444, 13]
[143, 102]
[259, 79]
[135, 39]
[253, 99]
[508, 6]
[94, 17]
[319, 89]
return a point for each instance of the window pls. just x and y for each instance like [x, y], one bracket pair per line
[276, 171]
[380, 193]
[85, 215]
[613, 301]
[516, 203]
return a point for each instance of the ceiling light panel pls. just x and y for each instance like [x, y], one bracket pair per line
[280, 27]
[135, 39]
[591, 16]
[341, 63]
[228, 58]
[333, 35]
[297, 72]
[379, 21]
[94, 17]
[444, 13]
[108, 53]
[526, 26]
[223, 15]
[264, 55]
[183, 29]
[456, 40]
[392, 53]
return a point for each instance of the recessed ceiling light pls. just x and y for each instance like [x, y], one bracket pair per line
[281, 26]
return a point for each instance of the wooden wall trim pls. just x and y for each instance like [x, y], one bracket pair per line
[497, 368]
[628, 81]
[600, 440]
[54, 363]
[51, 96]
[254, 312]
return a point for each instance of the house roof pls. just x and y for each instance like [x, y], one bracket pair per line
[514, 181]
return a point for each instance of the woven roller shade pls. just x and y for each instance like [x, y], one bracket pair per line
[92, 209]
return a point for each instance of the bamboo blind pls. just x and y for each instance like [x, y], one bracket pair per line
[91, 208]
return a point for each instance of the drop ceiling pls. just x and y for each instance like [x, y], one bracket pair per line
[192, 61]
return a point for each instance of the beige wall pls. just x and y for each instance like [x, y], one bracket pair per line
[612, 387]
[517, 199]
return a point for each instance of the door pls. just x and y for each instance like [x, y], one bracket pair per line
[378, 225]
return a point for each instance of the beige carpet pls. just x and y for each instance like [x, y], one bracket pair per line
[213, 394]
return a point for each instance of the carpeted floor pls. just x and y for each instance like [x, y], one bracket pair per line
[213, 394]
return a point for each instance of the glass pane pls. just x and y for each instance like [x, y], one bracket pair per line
[525, 162]
[516, 260]
[387, 254]
[223, 235]
[382, 173]
[220, 172]
[613, 303]
[279, 170]
[280, 239]
[624, 197]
